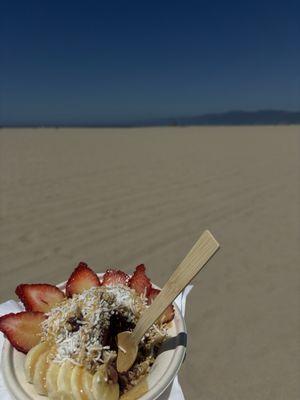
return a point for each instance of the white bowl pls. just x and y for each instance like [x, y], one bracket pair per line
[161, 375]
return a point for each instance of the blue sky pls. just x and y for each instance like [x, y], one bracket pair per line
[120, 61]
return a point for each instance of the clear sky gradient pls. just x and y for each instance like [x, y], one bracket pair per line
[120, 61]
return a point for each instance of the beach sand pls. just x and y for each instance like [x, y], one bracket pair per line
[120, 197]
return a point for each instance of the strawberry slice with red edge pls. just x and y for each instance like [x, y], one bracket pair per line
[82, 278]
[169, 312]
[23, 329]
[39, 296]
[152, 294]
[114, 277]
[140, 281]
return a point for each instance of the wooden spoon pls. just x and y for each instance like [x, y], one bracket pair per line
[198, 256]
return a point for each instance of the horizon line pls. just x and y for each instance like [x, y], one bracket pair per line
[228, 118]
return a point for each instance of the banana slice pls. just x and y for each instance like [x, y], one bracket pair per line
[64, 380]
[87, 384]
[31, 359]
[77, 384]
[137, 391]
[51, 380]
[55, 396]
[102, 390]
[64, 396]
[39, 376]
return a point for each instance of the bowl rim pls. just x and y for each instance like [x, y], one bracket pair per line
[18, 393]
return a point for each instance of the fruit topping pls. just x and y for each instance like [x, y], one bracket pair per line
[114, 277]
[39, 296]
[22, 329]
[101, 386]
[32, 358]
[169, 312]
[81, 279]
[152, 294]
[139, 281]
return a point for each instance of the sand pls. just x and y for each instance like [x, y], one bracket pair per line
[119, 197]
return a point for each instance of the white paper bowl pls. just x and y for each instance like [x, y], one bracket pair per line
[161, 375]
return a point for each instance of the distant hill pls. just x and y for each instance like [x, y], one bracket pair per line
[263, 117]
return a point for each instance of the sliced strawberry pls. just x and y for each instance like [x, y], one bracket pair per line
[23, 329]
[81, 279]
[114, 277]
[39, 296]
[152, 294]
[169, 312]
[139, 281]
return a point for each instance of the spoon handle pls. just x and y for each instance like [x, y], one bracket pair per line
[201, 252]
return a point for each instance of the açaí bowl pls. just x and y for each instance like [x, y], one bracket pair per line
[161, 375]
